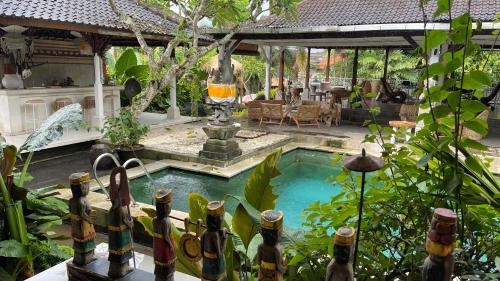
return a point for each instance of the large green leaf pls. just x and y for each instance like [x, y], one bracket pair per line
[13, 249]
[435, 38]
[197, 207]
[140, 72]
[259, 197]
[127, 60]
[147, 223]
[8, 160]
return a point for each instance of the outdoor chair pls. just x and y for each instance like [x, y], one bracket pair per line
[272, 113]
[307, 115]
[255, 109]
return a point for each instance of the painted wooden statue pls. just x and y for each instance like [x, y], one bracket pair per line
[163, 241]
[340, 268]
[120, 225]
[82, 227]
[438, 266]
[269, 254]
[213, 243]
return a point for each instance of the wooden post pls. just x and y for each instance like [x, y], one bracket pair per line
[386, 62]
[308, 70]
[327, 72]
[355, 68]
[281, 86]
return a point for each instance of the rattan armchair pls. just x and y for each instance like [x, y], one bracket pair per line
[272, 113]
[307, 115]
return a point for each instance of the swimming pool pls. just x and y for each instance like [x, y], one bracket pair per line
[304, 180]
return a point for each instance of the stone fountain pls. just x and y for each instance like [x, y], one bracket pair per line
[221, 144]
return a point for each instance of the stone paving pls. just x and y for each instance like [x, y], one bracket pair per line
[188, 139]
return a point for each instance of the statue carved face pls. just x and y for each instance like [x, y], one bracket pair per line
[271, 236]
[342, 253]
[163, 209]
[214, 223]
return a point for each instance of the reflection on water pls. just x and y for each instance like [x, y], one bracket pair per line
[303, 181]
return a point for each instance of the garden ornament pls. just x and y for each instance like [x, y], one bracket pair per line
[270, 253]
[363, 163]
[82, 227]
[120, 224]
[213, 243]
[440, 243]
[190, 244]
[163, 240]
[340, 268]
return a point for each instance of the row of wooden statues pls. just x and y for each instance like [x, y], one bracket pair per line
[437, 267]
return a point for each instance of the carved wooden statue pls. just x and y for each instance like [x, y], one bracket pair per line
[82, 227]
[340, 268]
[163, 241]
[120, 225]
[213, 243]
[438, 266]
[269, 254]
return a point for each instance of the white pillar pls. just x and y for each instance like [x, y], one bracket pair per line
[99, 96]
[268, 57]
[173, 111]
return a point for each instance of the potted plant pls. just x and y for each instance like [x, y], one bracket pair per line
[125, 132]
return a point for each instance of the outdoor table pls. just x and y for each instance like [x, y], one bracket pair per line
[396, 124]
[146, 263]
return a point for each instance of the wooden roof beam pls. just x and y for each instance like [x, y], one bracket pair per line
[410, 40]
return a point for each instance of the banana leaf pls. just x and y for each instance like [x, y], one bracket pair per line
[259, 197]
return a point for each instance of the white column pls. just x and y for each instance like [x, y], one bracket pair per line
[99, 96]
[268, 57]
[173, 111]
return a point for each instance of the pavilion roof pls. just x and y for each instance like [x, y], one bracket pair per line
[318, 13]
[349, 24]
[83, 15]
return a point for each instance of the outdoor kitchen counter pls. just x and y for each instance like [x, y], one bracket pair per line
[12, 103]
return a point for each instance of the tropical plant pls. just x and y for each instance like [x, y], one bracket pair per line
[125, 130]
[127, 66]
[18, 242]
[438, 167]
[243, 225]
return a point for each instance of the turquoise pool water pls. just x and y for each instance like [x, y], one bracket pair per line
[303, 181]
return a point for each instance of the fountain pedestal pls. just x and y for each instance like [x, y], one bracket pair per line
[221, 144]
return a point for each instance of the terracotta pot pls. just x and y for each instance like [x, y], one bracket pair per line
[126, 153]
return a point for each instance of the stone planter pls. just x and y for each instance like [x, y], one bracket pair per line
[105, 163]
[127, 153]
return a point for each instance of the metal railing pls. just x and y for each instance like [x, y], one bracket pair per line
[125, 165]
